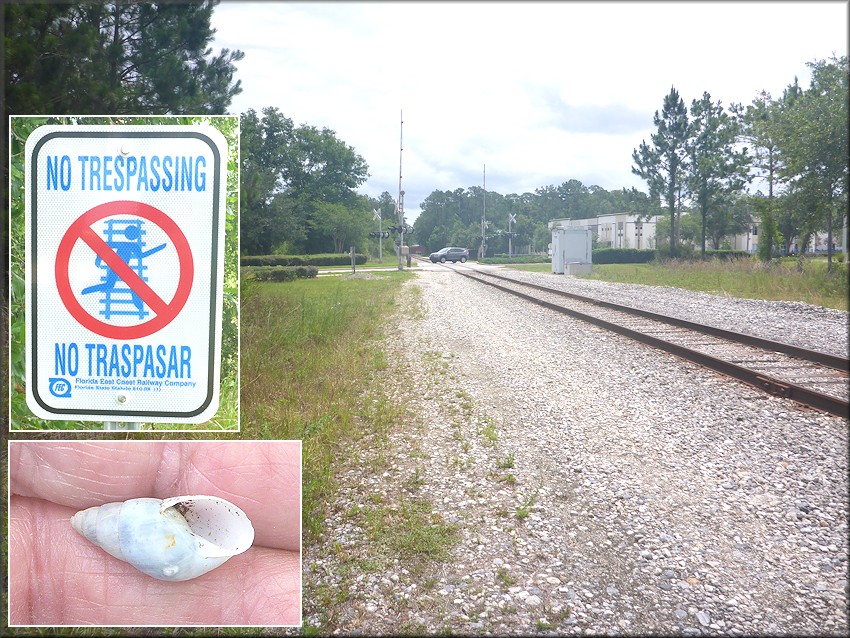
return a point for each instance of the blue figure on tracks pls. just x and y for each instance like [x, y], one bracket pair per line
[118, 298]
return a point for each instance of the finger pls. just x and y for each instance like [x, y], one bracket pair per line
[56, 577]
[263, 478]
[84, 473]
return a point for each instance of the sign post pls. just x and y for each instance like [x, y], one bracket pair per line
[124, 272]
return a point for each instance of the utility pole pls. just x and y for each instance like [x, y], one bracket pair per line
[376, 214]
[484, 219]
[400, 192]
[511, 219]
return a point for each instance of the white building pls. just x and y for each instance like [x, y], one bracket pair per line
[749, 240]
[622, 230]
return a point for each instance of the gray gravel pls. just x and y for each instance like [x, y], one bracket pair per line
[791, 322]
[596, 486]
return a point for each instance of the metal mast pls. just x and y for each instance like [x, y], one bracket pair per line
[484, 219]
[400, 192]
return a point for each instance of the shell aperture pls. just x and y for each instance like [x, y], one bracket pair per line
[173, 539]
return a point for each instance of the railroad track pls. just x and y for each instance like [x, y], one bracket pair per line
[814, 379]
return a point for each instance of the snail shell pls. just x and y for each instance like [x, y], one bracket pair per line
[172, 539]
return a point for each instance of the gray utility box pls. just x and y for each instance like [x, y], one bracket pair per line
[572, 251]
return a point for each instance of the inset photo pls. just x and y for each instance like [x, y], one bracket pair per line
[124, 272]
[154, 533]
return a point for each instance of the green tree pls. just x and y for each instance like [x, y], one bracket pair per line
[387, 207]
[343, 225]
[663, 164]
[115, 58]
[715, 170]
[759, 130]
[731, 215]
[325, 170]
[770, 239]
[288, 172]
[813, 138]
[268, 218]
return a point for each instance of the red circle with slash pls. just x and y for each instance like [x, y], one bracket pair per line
[81, 230]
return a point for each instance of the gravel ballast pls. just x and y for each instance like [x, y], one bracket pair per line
[593, 485]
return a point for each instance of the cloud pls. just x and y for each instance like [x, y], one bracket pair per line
[605, 119]
[540, 92]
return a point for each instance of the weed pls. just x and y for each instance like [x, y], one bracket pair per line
[410, 529]
[430, 583]
[503, 578]
[506, 463]
[414, 482]
[525, 509]
[488, 431]
[304, 357]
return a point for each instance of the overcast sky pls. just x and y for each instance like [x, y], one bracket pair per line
[540, 93]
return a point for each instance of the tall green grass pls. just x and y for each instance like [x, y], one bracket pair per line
[310, 353]
[749, 279]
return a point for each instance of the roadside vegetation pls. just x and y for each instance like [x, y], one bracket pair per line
[778, 280]
[311, 350]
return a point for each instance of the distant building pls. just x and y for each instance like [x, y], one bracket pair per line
[625, 230]
[622, 230]
[749, 240]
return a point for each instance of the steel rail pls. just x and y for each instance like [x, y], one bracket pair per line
[829, 360]
[775, 387]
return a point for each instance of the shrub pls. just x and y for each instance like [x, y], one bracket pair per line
[515, 259]
[278, 273]
[326, 259]
[622, 256]
[728, 255]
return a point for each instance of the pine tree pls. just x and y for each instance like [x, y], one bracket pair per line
[115, 58]
[662, 165]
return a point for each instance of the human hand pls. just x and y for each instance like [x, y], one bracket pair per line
[57, 577]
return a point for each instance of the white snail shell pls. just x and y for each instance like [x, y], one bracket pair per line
[172, 539]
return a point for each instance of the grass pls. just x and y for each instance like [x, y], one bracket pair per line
[488, 431]
[524, 510]
[410, 529]
[503, 578]
[745, 278]
[387, 263]
[310, 352]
